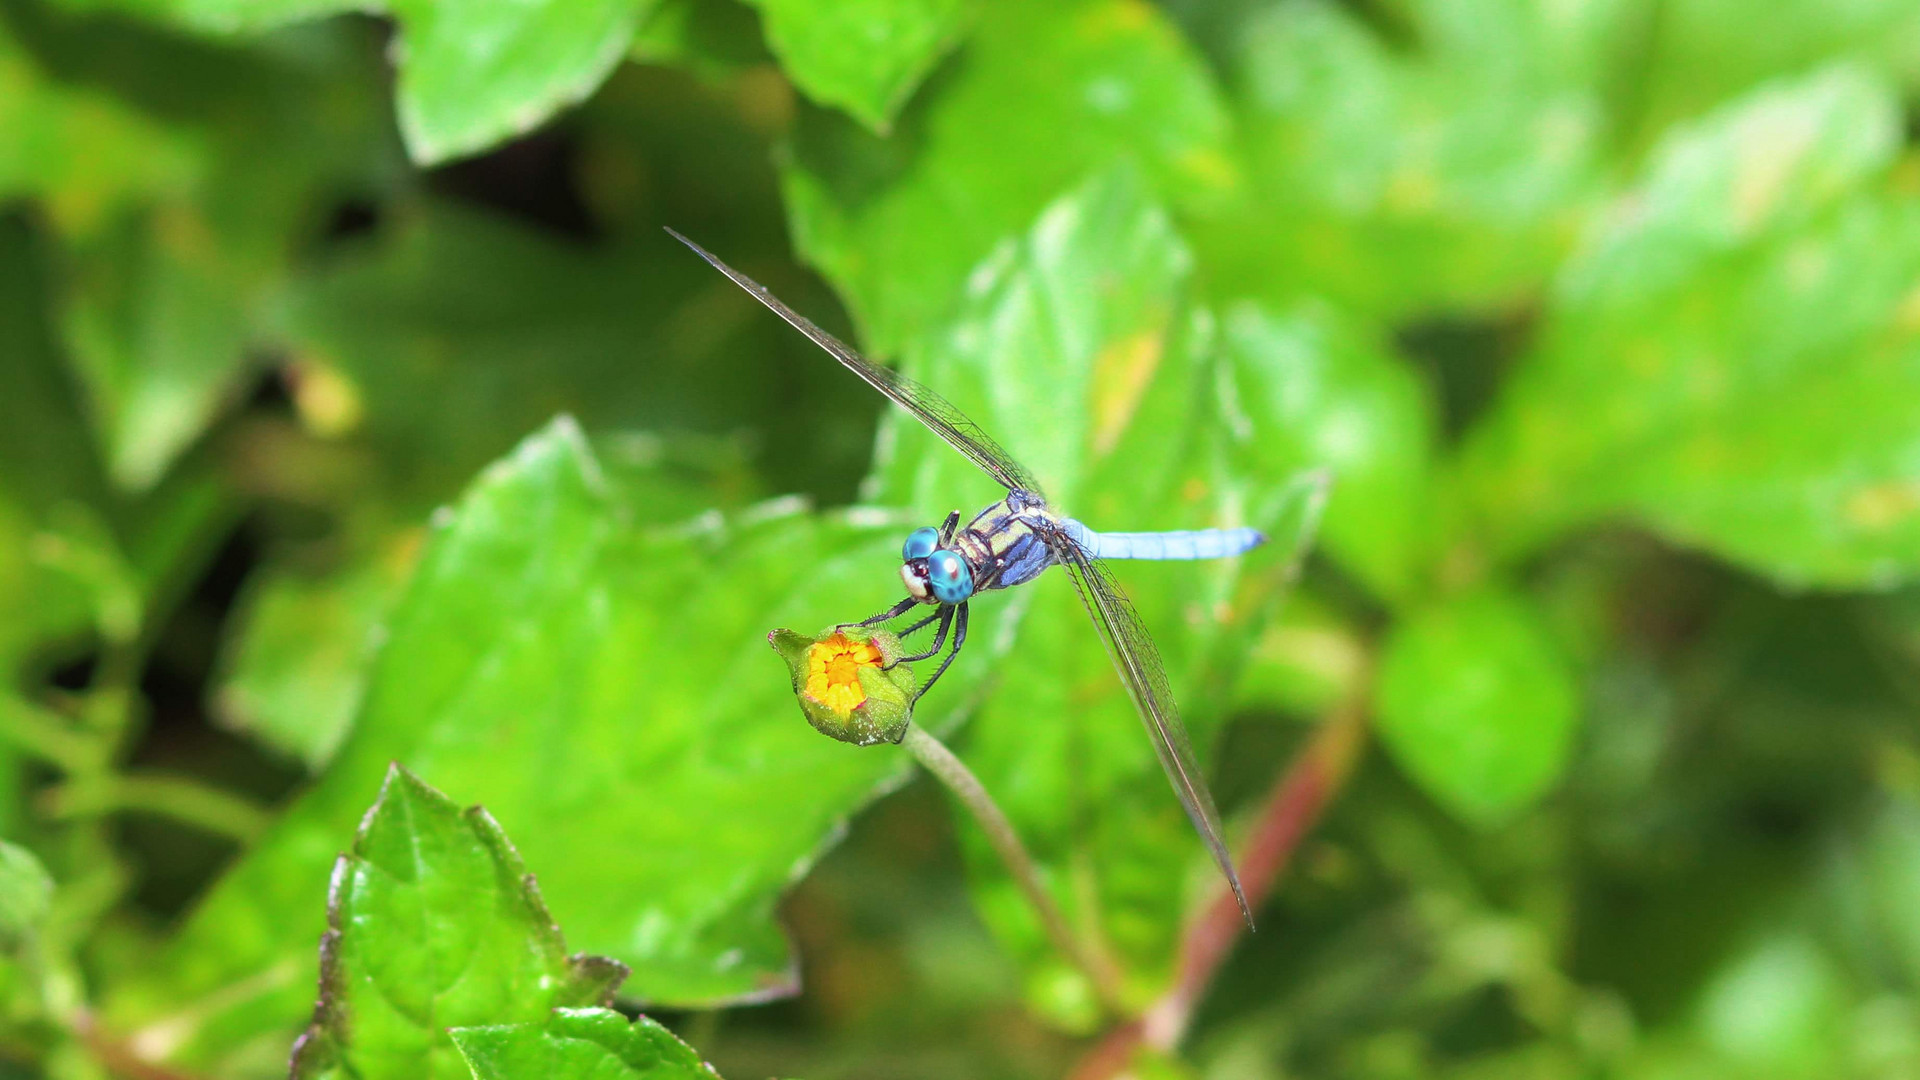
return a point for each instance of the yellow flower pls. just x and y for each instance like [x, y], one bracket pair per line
[844, 686]
[833, 672]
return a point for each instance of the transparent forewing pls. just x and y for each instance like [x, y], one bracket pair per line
[933, 410]
[1137, 660]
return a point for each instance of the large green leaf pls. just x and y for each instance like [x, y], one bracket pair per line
[470, 75]
[433, 922]
[1311, 387]
[865, 56]
[1064, 337]
[475, 75]
[80, 150]
[46, 459]
[1476, 703]
[1042, 95]
[444, 331]
[158, 322]
[1731, 357]
[580, 1043]
[603, 680]
[72, 557]
[1704, 51]
[294, 668]
[1401, 178]
[162, 297]
[1079, 347]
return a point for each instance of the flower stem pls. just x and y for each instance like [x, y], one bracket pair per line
[951, 771]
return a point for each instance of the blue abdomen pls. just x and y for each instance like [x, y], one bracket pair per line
[1183, 544]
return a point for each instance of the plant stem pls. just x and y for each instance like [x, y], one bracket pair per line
[177, 797]
[951, 771]
[1292, 806]
[50, 737]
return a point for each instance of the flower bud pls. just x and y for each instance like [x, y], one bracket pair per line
[844, 686]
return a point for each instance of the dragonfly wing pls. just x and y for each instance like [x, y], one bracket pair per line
[932, 410]
[1137, 660]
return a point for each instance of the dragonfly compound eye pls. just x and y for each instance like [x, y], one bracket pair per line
[949, 577]
[920, 544]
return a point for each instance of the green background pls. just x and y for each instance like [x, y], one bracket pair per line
[356, 410]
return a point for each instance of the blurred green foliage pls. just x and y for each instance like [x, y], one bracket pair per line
[354, 410]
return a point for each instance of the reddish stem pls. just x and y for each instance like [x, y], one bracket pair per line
[1292, 807]
[1111, 1056]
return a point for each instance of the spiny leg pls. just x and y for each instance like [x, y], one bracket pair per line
[893, 612]
[945, 614]
[918, 625]
[959, 639]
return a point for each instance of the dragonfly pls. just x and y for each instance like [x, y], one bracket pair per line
[1012, 542]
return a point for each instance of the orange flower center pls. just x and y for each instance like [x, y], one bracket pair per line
[833, 672]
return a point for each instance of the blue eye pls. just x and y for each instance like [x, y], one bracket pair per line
[948, 577]
[920, 544]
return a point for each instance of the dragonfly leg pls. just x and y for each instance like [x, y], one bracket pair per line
[893, 612]
[945, 615]
[959, 639]
[947, 530]
[918, 625]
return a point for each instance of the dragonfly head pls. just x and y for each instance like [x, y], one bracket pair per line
[932, 574]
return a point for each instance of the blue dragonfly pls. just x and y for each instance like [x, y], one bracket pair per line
[1013, 541]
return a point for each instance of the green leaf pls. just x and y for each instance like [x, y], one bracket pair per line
[295, 668]
[1064, 337]
[597, 1043]
[82, 152]
[1079, 347]
[1780, 1007]
[605, 680]
[433, 922]
[475, 75]
[1305, 661]
[162, 297]
[1732, 355]
[1398, 178]
[158, 322]
[1705, 51]
[443, 331]
[1041, 96]
[1310, 387]
[714, 38]
[45, 459]
[1876, 873]
[1476, 703]
[864, 56]
[26, 893]
[470, 75]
